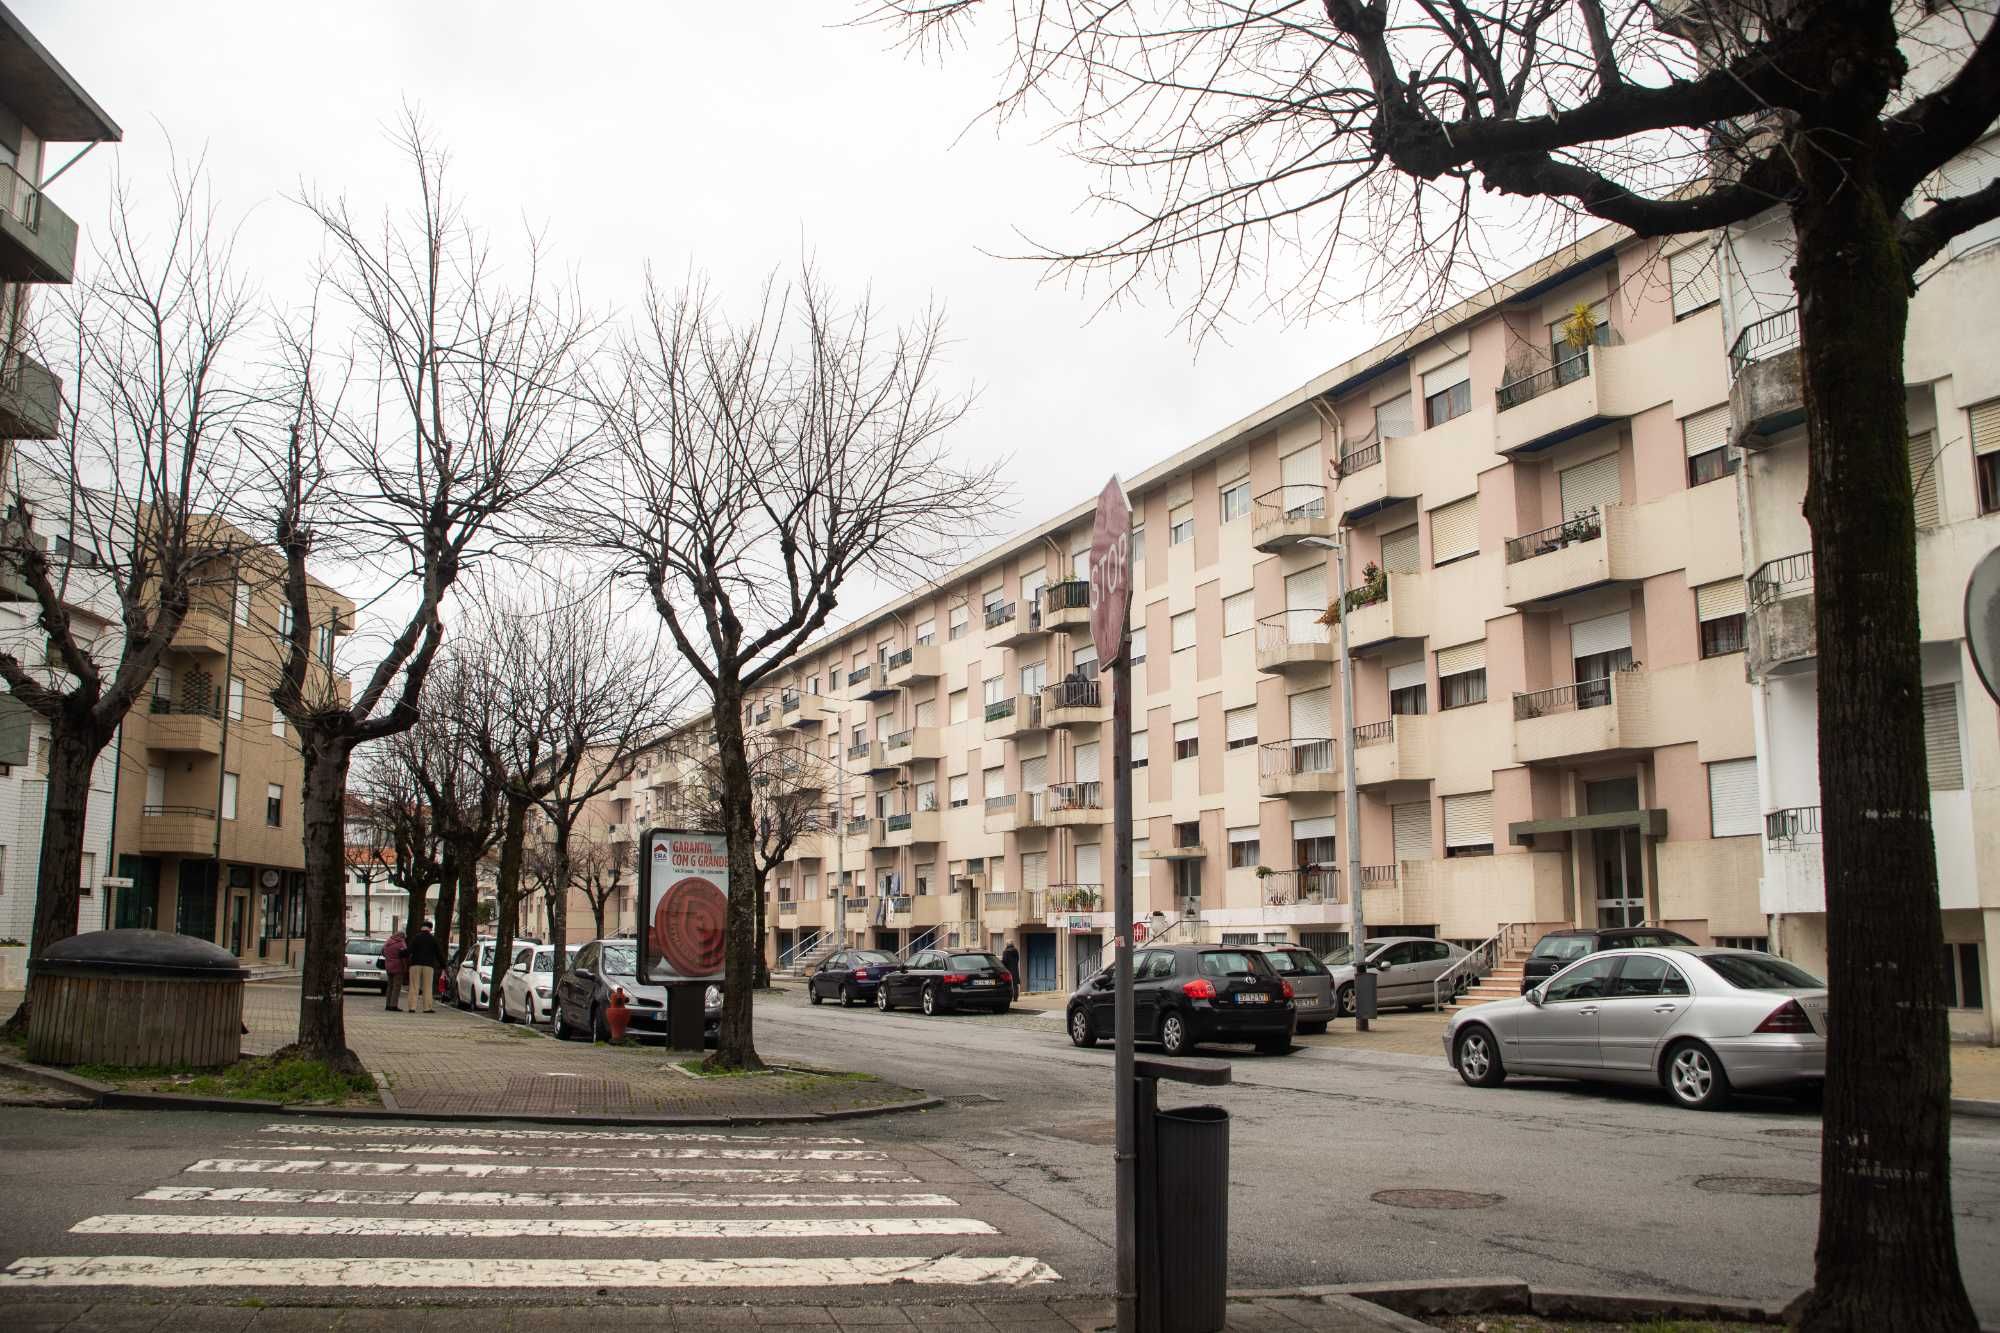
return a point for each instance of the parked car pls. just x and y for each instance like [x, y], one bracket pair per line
[584, 996]
[937, 980]
[524, 990]
[1406, 968]
[364, 966]
[1559, 948]
[850, 975]
[1186, 994]
[472, 981]
[1698, 1022]
[1312, 983]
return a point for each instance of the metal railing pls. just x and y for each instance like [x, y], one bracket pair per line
[1595, 693]
[903, 658]
[1765, 338]
[999, 709]
[1277, 759]
[1292, 628]
[896, 823]
[858, 750]
[1314, 884]
[1375, 733]
[900, 740]
[1792, 825]
[1072, 693]
[162, 706]
[1776, 580]
[1376, 876]
[761, 716]
[1359, 460]
[1000, 900]
[1479, 960]
[801, 952]
[899, 902]
[1000, 804]
[999, 615]
[851, 905]
[1185, 929]
[789, 701]
[1068, 595]
[859, 674]
[1076, 897]
[1587, 526]
[857, 824]
[177, 811]
[1568, 370]
[1299, 500]
[1076, 796]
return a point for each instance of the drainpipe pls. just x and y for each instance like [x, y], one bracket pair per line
[222, 750]
[111, 832]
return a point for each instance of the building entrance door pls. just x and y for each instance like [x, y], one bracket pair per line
[194, 903]
[1040, 946]
[1616, 856]
[1084, 951]
[139, 905]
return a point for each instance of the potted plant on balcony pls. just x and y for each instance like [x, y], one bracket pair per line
[1373, 588]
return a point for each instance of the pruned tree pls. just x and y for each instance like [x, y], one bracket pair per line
[600, 865]
[385, 792]
[110, 534]
[761, 462]
[1403, 149]
[459, 797]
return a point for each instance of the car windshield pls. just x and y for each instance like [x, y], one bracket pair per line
[545, 962]
[620, 960]
[1761, 971]
[1222, 964]
[1341, 957]
[1294, 962]
[861, 957]
[970, 960]
[1563, 947]
[368, 947]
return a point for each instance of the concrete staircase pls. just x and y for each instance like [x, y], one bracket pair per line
[1502, 983]
[810, 959]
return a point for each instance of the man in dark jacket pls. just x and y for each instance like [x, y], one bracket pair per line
[1010, 958]
[426, 957]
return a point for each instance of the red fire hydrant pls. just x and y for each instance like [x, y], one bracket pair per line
[618, 1017]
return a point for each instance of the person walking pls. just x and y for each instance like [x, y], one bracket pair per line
[1010, 958]
[426, 957]
[395, 968]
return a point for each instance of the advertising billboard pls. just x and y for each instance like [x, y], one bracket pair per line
[683, 905]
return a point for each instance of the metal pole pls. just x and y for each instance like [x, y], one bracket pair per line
[1121, 924]
[1347, 787]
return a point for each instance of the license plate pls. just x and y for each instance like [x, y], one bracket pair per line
[1308, 1001]
[1252, 997]
[982, 983]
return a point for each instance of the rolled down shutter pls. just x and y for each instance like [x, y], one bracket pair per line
[1395, 418]
[1446, 375]
[1455, 529]
[1089, 863]
[1412, 825]
[1924, 480]
[1035, 773]
[1236, 613]
[1239, 724]
[1300, 469]
[960, 788]
[1304, 829]
[1406, 676]
[1468, 819]
[1593, 485]
[1312, 715]
[1732, 799]
[1465, 657]
[1986, 428]
[1606, 634]
[1945, 767]
[1034, 871]
[1306, 590]
[1696, 282]
[1399, 551]
[1086, 762]
[1032, 584]
[1705, 432]
[927, 713]
[1713, 601]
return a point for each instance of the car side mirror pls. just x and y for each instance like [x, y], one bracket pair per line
[1535, 996]
[1101, 982]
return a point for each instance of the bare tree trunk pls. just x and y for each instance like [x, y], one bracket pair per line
[507, 911]
[71, 758]
[763, 980]
[322, 1015]
[735, 1048]
[443, 916]
[559, 904]
[1886, 1258]
[468, 907]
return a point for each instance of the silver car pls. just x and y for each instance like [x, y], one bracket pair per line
[363, 965]
[1312, 983]
[1698, 1022]
[1406, 968]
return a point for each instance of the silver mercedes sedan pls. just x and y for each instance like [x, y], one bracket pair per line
[1696, 1021]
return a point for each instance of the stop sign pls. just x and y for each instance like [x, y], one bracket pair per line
[1110, 572]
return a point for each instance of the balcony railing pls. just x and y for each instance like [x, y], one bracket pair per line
[999, 615]
[1069, 595]
[1316, 884]
[788, 702]
[1076, 796]
[855, 904]
[899, 902]
[45, 235]
[762, 716]
[1791, 826]
[859, 675]
[1375, 733]
[894, 660]
[901, 740]
[161, 706]
[1359, 459]
[1787, 576]
[1584, 527]
[1286, 758]
[1563, 699]
[858, 750]
[1073, 694]
[1001, 804]
[1568, 370]
[1288, 503]
[1076, 897]
[1376, 876]
[857, 824]
[896, 823]
[1001, 900]
[177, 812]
[1765, 338]
[1289, 628]
[999, 709]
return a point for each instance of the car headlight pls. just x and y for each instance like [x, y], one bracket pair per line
[712, 997]
[542, 989]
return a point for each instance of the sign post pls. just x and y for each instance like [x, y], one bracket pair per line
[683, 908]
[1110, 603]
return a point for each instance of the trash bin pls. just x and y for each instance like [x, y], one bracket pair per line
[136, 997]
[1191, 1217]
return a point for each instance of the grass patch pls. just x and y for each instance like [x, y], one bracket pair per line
[290, 1080]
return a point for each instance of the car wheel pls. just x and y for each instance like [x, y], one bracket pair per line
[882, 999]
[505, 1016]
[1312, 1029]
[1003, 1008]
[812, 993]
[929, 999]
[1695, 1078]
[557, 1028]
[1174, 1035]
[1476, 1056]
[1274, 1046]
[1343, 1003]
[848, 997]
[1081, 1033]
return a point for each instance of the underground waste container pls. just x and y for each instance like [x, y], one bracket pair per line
[136, 997]
[1191, 1217]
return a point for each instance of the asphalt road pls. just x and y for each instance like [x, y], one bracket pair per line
[1581, 1187]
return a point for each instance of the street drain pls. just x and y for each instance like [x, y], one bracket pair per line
[1436, 1199]
[1755, 1185]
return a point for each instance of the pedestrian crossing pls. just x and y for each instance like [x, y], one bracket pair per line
[520, 1209]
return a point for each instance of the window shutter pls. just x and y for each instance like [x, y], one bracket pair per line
[1236, 613]
[1606, 634]
[1032, 584]
[960, 787]
[1183, 628]
[1705, 431]
[1732, 799]
[1089, 863]
[1713, 601]
[1406, 676]
[1034, 871]
[1695, 280]
[1300, 469]
[1140, 746]
[1395, 418]
[1594, 485]
[1399, 551]
[1986, 428]
[1465, 657]
[1035, 773]
[1446, 375]
[1924, 480]
[1941, 757]
[1084, 656]
[1187, 731]
[1237, 835]
[1312, 715]
[1303, 829]
[927, 713]
[1240, 724]
[1306, 590]
[1086, 762]
[1468, 819]
[1412, 825]
[1455, 529]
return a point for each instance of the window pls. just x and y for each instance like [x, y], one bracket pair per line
[1961, 976]
[1468, 824]
[1695, 283]
[277, 722]
[1941, 753]
[1033, 677]
[1187, 834]
[1137, 646]
[960, 790]
[1406, 689]
[236, 698]
[1455, 530]
[1313, 843]
[324, 636]
[1588, 980]
[1180, 525]
[857, 737]
[993, 782]
[1710, 454]
[1183, 628]
[1732, 799]
[1462, 675]
[1988, 468]
[242, 608]
[1644, 975]
[959, 705]
[1986, 453]
[1243, 848]
[285, 619]
[1754, 943]
[1187, 739]
[1138, 544]
[1924, 480]
[1448, 391]
[927, 631]
[1139, 748]
[1395, 418]
[1235, 499]
[229, 796]
[957, 622]
[1720, 609]
[274, 805]
[1236, 616]
[1239, 727]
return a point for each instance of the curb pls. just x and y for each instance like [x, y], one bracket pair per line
[1973, 1106]
[1508, 1295]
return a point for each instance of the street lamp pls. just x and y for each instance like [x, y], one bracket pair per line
[1353, 820]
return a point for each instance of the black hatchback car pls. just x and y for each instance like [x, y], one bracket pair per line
[1559, 948]
[850, 976]
[937, 980]
[1186, 994]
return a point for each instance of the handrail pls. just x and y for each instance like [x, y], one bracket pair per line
[1359, 459]
[1478, 961]
[1105, 954]
[1287, 758]
[1594, 693]
[1566, 370]
[1375, 733]
[1792, 825]
[1067, 595]
[1073, 694]
[794, 955]
[1286, 503]
[1587, 526]
[1762, 338]
[1776, 580]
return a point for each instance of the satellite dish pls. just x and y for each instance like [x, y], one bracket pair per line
[1982, 620]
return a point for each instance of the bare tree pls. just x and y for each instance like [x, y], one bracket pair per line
[599, 870]
[461, 799]
[763, 462]
[400, 810]
[110, 533]
[1313, 148]
[412, 457]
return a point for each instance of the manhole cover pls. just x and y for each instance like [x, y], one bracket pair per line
[1793, 1133]
[1754, 1185]
[1436, 1199]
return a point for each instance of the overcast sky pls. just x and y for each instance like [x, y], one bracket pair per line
[718, 136]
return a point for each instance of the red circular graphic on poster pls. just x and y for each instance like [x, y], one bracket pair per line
[687, 927]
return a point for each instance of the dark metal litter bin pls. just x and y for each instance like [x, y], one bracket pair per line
[1191, 1217]
[136, 997]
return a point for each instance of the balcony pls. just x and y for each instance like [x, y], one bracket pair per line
[1000, 900]
[869, 682]
[1075, 898]
[182, 830]
[30, 398]
[803, 712]
[762, 715]
[1585, 551]
[1542, 410]
[1302, 897]
[1013, 623]
[1375, 475]
[913, 746]
[202, 631]
[37, 239]
[1014, 811]
[1399, 612]
[1014, 717]
[857, 826]
[908, 829]
[1302, 767]
[183, 730]
[1066, 605]
[1076, 703]
[1293, 641]
[1783, 633]
[1398, 750]
[1591, 718]
[1766, 380]
[1288, 515]
[915, 663]
[860, 751]
[1075, 803]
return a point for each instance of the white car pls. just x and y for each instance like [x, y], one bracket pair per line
[524, 990]
[472, 984]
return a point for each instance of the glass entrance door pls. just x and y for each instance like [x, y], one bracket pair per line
[1621, 891]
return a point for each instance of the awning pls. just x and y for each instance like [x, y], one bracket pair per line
[1652, 823]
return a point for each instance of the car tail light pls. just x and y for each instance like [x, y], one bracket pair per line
[861, 974]
[954, 978]
[1288, 988]
[1005, 975]
[1201, 988]
[1787, 1017]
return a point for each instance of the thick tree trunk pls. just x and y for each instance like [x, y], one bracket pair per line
[322, 1013]
[1886, 1258]
[65, 812]
[736, 1048]
[468, 905]
[443, 916]
[559, 905]
[763, 978]
[507, 910]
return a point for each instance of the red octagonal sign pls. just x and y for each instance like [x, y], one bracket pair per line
[1110, 572]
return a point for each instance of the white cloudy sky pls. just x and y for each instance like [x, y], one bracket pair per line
[718, 136]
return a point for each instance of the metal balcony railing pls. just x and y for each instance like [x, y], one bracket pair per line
[896, 823]
[1359, 460]
[1791, 826]
[859, 675]
[1288, 758]
[1377, 876]
[788, 702]
[900, 740]
[1076, 897]
[762, 716]
[894, 660]
[1776, 580]
[161, 706]
[1584, 527]
[999, 615]
[858, 750]
[1765, 338]
[1315, 884]
[177, 811]
[1072, 694]
[1296, 501]
[999, 709]
[1002, 804]
[1287, 629]
[857, 824]
[1375, 733]
[1076, 796]
[1568, 370]
[1069, 595]
[1563, 699]
[899, 902]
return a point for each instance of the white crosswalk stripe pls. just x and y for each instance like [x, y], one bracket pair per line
[564, 1135]
[589, 1150]
[282, 1166]
[627, 1228]
[531, 1199]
